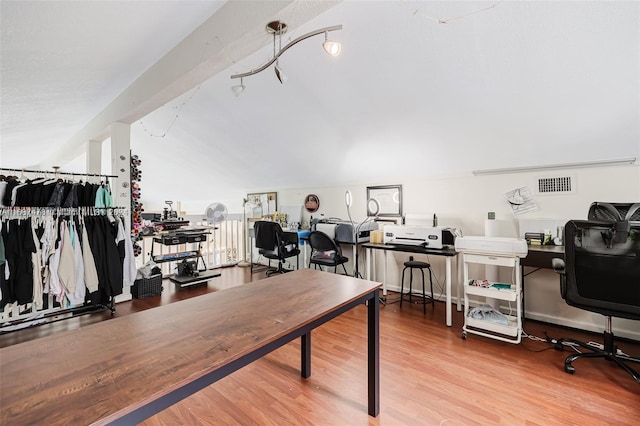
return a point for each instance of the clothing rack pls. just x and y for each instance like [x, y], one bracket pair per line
[24, 212]
[57, 172]
[24, 316]
[14, 316]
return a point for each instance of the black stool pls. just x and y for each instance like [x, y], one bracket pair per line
[416, 264]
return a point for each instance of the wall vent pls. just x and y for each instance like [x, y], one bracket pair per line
[555, 185]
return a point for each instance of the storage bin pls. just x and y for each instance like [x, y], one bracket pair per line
[146, 287]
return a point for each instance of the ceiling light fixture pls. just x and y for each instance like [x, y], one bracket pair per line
[281, 76]
[237, 90]
[277, 28]
[333, 48]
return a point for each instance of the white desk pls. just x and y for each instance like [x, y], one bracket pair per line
[448, 253]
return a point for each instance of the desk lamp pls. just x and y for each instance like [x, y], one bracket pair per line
[373, 208]
[244, 262]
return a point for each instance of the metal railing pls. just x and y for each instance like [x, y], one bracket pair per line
[224, 246]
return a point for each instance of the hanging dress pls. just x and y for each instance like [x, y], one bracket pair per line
[36, 259]
[78, 295]
[129, 269]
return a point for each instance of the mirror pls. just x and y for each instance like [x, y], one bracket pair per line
[389, 198]
[312, 203]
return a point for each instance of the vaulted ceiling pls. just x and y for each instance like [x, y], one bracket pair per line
[421, 88]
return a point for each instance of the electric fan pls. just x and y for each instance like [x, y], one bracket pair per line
[216, 213]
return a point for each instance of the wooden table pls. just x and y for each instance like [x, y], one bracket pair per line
[126, 369]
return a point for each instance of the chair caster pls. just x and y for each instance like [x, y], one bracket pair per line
[569, 368]
[464, 335]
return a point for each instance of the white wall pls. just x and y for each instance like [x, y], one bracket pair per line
[463, 201]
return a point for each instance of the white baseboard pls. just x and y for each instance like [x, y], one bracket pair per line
[568, 322]
[619, 331]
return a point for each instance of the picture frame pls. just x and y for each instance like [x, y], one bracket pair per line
[389, 199]
[262, 203]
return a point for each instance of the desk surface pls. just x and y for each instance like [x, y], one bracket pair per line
[540, 256]
[114, 367]
[410, 249]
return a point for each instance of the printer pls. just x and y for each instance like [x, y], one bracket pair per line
[418, 235]
[499, 246]
[344, 231]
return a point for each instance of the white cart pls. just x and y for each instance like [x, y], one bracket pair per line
[505, 252]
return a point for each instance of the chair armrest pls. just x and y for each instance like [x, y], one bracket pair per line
[558, 266]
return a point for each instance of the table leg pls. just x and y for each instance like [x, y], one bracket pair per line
[367, 256]
[355, 260]
[447, 280]
[384, 275]
[305, 351]
[373, 352]
[304, 255]
[458, 282]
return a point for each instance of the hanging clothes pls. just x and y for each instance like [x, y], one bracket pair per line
[71, 200]
[129, 269]
[102, 239]
[55, 285]
[66, 266]
[103, 196]
[3, 188]
[90, 272]
[2, 261]
[60, 192]
[2, 256]
[19, 246]
[12, 182]
[53, 192]
[77, 297]
[47, 249]
[75, 256]
[36, 259]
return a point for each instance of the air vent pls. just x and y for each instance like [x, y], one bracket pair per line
[555, 185]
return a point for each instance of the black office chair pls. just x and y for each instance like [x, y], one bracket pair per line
[275, 244]
[325, 252]
[601, 273]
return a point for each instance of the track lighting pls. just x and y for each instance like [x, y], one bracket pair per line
[237, 90]
[333, 48]
[277, 28]
[281, 76]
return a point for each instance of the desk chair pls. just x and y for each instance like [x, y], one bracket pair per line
[411, 265]
[601, 273]
[325, 252]
[275, 244]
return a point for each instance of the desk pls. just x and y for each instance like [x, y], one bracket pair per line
[303, 241]
[538, 257]
[126, 369]
[449, 253]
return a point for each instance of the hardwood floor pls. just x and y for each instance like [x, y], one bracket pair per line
[429, 374]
